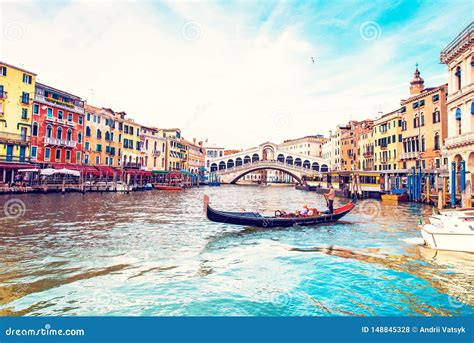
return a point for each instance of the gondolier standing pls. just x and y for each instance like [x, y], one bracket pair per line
[330, 196]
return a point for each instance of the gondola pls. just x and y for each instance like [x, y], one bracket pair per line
[256, 219]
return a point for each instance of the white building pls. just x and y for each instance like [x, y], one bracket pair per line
[308, 145]
[458, 56]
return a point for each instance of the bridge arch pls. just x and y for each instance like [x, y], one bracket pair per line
[306, 164]
[255, 158]
[213, 167]
[221, 165]
[238, 161]
[298, 162]
[324, 168]
[230, 164]
[289, 160]
[281, 158]
[247, 159]
[315, 166]
[256, 168]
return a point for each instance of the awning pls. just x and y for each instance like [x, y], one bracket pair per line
[14, 166]
[160, 171]
[109, 171]
[51, 171]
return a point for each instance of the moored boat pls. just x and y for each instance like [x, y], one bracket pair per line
[259, 220]
[395, 195]
[168, 188]
[451, 230]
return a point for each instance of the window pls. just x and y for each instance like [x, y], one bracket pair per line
[131, 130]
[49, 112]
[98, 119]
[34, 151]
[79, 137]
[27, 79]
[415, 105]
[60, 115]
[458, 77]
[436, 141]
[97, 160]
[78, 156]
[3, 71]
[99, 148]
[47, 153]
[58, 154]
[69, 117]
[422, 103]
[59, 133]
[34, 129]
[435, 97]
[436, 117]
[68, 155]
[88, 131]
[80, 120]
[35, 109]
[69, 135]
[25, 97]
[99, 134]
[422, 120]
[88, 117]
[24, 113]
[49, 131]
[86, 146]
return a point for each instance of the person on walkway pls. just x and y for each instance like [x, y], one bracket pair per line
[330, 196]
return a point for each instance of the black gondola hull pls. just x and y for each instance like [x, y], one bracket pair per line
[255, 219]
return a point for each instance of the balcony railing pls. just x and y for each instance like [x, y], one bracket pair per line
[63, 105]
[26, 101]
[464, 139]
[11, 158]
[132, 165]
[156, 153]
[60, 142]
[6, 137]
[408, 155]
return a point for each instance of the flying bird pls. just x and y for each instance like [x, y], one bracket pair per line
[312, 59]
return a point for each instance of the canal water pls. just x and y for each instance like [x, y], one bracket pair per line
[155, 254]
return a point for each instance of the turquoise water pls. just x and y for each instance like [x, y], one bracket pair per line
[155, 254]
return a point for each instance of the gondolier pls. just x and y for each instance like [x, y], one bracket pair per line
[330, 196]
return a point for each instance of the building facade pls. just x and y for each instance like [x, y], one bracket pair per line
[459, 144]
[176, 156]
[424, 125]
[365, 146]
[133, 151]
[17, 88]
[196, 157]
[308, 145]
[387, 141]
[57, 127]
[155, 148]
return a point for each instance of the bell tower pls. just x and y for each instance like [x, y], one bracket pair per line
[417, 84]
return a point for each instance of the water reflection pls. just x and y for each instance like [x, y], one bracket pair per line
[155, 254]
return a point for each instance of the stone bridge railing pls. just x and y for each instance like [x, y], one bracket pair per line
[267, 163]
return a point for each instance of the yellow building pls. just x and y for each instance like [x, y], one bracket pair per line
[424, 125]
[365, 147]
[17, 88]
[133, 152]
[195, 157]
[176, 152]
[155, 148]
[388, 141]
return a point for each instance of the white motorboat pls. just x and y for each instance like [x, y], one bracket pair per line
[451, 230]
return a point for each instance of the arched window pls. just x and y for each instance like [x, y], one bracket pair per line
[458, 77]
[324, 168]
[213, 167]
[99, 134]
[422, 120]
[49, 131]
[146, 144]
[238, 161]
[221, 165]
[79, 137]
[230, 164]
[155, 146]
[298, 162]
[59, 133]
[289, 160]
[34, 129]
[69, 135]
[436, 141]
[88, 131]
[315, 166]
[281, 158]
[246, 159]
[422, 143]
[255, 157]
[306, 164]
[107, 136]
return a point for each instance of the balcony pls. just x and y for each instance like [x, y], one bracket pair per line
[3, 95]
[60, 142]
[14, 138]
[11, 158]
[61, 121]
[156, 153]
[25, 119]
[384, 160]
[64, 105]
[132, 165]
[383, 147]
[26, 101]
[461, 140]
[50, 119]
[409, 155]
[70, 123]
[368, 154]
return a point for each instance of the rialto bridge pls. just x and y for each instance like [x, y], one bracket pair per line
[266, 156]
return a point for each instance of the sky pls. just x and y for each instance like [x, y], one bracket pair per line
[238, 73]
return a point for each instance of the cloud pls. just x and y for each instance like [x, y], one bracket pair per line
[226, 74]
